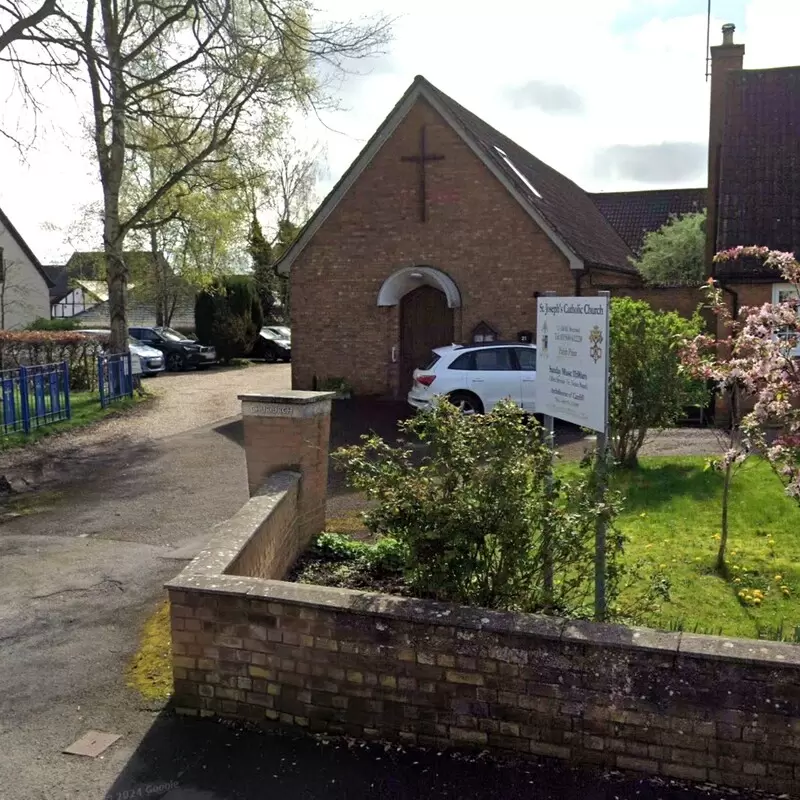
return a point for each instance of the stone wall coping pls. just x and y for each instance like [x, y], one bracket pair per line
[293, 397]
[231, 536]
[569, 632]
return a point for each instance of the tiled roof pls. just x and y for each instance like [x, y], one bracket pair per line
[60, 281]
[633, 214]
[759, 194]
[563, 204]
[141, 313]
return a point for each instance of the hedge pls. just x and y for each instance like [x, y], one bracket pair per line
[79, 350]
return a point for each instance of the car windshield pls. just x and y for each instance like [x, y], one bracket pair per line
[281, 330]
[170, 335]
[269, 333]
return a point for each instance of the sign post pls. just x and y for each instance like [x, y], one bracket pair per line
[572, 384]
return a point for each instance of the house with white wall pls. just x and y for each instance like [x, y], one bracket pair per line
[24, 283]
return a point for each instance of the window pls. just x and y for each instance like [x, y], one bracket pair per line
[465, 361]
[514, 169]
[493, 359]
[429, 365]
[781, 292]
[526, 357]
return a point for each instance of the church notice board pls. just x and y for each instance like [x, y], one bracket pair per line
[572, 360]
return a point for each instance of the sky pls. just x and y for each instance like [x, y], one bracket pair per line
[612, 93]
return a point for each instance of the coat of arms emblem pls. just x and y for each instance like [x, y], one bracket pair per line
[595, 340]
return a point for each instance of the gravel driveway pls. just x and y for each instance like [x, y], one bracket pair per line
[183, 401]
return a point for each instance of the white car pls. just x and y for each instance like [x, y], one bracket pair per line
[478, 376]
[151, 361]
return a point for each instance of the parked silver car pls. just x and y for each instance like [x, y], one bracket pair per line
[151, 360]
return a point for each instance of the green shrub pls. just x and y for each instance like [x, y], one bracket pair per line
[478, 521]
[648, 388]
[55, 324]
[336, 547]
[228, 316]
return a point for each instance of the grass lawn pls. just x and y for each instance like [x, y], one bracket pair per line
[672, 519]
[85, 408]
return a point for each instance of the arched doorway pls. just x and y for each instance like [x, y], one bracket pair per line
[426, 321]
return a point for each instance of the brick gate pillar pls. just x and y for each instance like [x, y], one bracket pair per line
[290, 430]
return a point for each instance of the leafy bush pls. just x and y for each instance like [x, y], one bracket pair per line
[228, 316]
[648, 388]
[80, 351]
[56, 324]
[478, 521]
[674, 255]
[336, 547]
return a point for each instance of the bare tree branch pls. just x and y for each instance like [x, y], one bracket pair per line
[24, 20]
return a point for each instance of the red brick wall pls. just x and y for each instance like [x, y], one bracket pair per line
[476, 233]
[683, 706]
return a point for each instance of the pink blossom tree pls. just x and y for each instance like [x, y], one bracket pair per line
[756, 360]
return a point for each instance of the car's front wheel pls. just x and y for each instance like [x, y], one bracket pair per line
[467, 402]
[176, 362]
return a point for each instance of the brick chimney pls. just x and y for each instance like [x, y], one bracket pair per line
[725, 58]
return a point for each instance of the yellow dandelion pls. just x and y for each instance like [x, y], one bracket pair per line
[662, 566]
[778, 578]
[757, 601]
[737, 580]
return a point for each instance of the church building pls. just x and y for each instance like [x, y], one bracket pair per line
[444, 230]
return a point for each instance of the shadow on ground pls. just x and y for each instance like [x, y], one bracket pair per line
[191, 759]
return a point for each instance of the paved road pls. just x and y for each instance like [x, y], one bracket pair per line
[120, 508]
[77, 579]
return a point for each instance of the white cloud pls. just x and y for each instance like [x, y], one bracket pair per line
[637, 65]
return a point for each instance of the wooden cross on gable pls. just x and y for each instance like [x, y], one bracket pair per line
[422, 158]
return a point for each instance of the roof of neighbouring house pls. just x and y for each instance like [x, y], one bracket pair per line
[560, 206]
[759, 193]
[59, 280]
[5, 222]
[140, 312]
[91, 264]
[633, 214]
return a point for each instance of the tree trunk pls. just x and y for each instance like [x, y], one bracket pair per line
[111, 152]
[723, 542]
[117, 280]
[158, 274]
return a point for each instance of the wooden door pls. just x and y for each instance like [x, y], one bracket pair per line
[425, 322]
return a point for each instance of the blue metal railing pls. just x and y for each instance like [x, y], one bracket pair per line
[33, 397]
[115, 377]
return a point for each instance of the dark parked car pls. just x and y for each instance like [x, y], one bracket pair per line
[282, 331]
[179, 352]
[272, 346]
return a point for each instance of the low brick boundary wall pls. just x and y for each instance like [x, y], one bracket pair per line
[367, 665]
